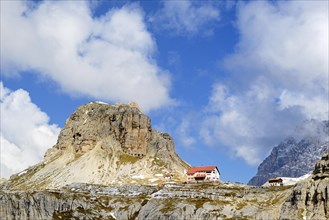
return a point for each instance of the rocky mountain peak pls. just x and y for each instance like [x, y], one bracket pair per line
[94, 122]
[296, 155]
[105, 144]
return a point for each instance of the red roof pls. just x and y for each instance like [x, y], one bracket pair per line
[193, 170]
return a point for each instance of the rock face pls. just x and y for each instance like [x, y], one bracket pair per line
[81, 201]
[95, 122]
[307, 200]
[295, 156]
[105, 156]
[105, 144]
[310, 199]
[321, 169]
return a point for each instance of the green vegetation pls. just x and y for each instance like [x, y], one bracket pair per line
[199, 202]
[230, 194]
[300, 213]
[126, 159]
[19, 181]
[169, 205]
[158, 163]
[77, 155]
[240, 205]
[240, 218]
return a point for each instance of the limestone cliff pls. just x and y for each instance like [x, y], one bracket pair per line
[105, 144]
[222, 200]
[105, 159]
[82, 201]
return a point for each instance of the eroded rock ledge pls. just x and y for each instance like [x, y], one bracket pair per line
[309, 199]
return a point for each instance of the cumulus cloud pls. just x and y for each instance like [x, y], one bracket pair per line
[107, 57]
[286, 41]
[280, 73]
[25, 132]
[250, 123]
[185, 138]
[186, 17]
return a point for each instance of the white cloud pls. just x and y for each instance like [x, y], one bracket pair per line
[248, 124]
[287, 42]
[25, 132]
[186, 17]
[280, 73]
[108, 58]
[183, 133]
[313, 105]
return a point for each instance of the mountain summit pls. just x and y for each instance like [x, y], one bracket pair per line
[105, 144]
[296, 155]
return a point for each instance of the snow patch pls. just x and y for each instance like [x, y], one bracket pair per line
[112, 215]
[21, 173]
[100, 102]
[292, 181]
[138, 177]
[289, 181]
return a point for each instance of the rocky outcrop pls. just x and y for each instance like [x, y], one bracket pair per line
[321, 169]
[94, 122]
[222, 200]
[296, 155]
[2, 180]
[310, 199]
[84, 201]
[105, 144]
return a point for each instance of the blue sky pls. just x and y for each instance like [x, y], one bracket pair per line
[227, 79]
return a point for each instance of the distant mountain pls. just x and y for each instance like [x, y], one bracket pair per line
[105, 144]
[296, 155]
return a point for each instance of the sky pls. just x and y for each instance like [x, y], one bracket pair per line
[228, 80]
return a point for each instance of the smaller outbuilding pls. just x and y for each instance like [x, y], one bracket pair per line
[203, 174]
[275, 182]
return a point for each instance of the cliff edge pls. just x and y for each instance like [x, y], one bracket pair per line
[105, 144]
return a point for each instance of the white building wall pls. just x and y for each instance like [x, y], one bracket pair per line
[213, 176]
